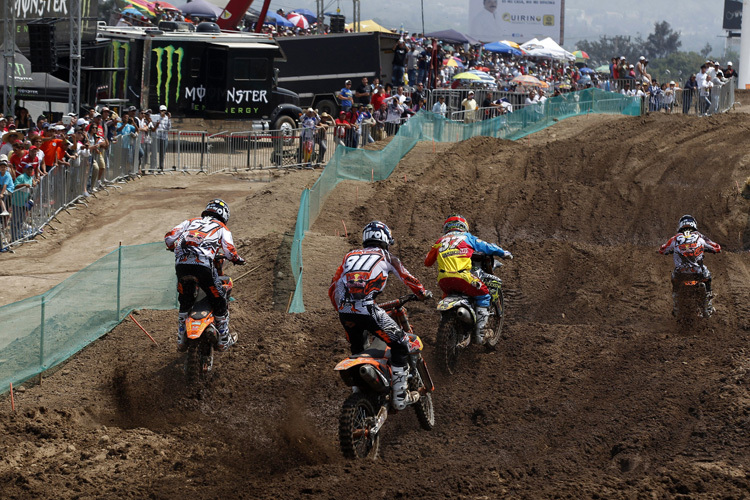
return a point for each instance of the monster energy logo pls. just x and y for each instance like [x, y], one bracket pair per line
[117, 48]
[20, 69]
[165, 62]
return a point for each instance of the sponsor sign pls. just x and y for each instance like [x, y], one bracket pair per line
[732, 15]
[516, 20]
[30, 10]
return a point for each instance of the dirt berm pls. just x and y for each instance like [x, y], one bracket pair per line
[593, 393]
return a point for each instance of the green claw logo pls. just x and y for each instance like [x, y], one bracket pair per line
[165, 56]
[120, 48]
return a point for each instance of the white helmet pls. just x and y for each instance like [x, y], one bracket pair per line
[687, 222]
[377, 234]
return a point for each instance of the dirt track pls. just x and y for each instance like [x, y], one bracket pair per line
[595, 393]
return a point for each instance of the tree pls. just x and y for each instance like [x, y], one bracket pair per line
[604, 49]
[706, 50]
[662, 42]
[677, 66]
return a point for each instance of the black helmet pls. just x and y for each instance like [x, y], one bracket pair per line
[687, 222]
[217, 209]
[377, 234]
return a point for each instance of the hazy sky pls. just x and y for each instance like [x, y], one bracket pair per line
[698, 21]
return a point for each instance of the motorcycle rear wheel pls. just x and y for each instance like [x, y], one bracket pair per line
[199, 360]
[496, 321]
[356, 419]
[446, 345]
[424, 408]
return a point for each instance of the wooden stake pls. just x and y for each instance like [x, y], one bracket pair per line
[12, 401]
[251, 270]
[144, 330]
[372, 175]
[346, 233]
[289, 304]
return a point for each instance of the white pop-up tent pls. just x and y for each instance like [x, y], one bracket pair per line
[547, 48]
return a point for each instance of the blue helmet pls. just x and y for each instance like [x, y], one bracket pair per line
[217, 209]
[377, 234]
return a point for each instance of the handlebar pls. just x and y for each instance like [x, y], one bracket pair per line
[393, 304]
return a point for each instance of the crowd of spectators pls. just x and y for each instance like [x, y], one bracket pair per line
[31, 149]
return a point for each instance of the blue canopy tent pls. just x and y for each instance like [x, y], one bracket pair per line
[200, 8]
[585, 70]
[274, 18]
[502, 48]
[452, 36]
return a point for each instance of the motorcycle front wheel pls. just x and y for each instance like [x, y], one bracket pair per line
[356, 420]
[446, 345]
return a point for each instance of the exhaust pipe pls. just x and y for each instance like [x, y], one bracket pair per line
[373, 378]
[465, 315]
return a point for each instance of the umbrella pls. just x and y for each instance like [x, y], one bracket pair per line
[298, 20]
[274, 18]
[467, 76]
[603, 69]
[512, 44]
[131, 11]
[452, 62]
[368, 26]
[589, 70]
[165, 5]
[503, 48]
[580, 55]
[146, 8]
[529, 81]
[310, 15]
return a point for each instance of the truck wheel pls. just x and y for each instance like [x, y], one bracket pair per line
[328, 106]
[286, 125]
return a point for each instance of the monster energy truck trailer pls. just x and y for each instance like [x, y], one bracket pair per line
[201, 74]
[317, 66]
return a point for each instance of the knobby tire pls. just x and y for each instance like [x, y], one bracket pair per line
[424, 408]
[496, 322]
[446, 344]
[356, 410]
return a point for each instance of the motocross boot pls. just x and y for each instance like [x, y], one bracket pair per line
[481, 330]
[182, 333]
[402, 396]
[226, 340]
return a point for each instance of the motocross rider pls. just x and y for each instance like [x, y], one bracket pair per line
[195, 243]
[453, 253]
[688, 246]
[359, 279]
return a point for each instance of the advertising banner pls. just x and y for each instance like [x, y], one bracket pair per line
[732, 15]
[34, 10]
[516, 20]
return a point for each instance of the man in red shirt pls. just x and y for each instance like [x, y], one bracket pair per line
[53, 147]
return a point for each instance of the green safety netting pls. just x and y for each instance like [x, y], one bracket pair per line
[366, 165]
[39, 332]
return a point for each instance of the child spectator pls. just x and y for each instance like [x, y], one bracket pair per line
[6, 185]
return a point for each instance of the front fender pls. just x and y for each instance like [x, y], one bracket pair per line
[285, 109]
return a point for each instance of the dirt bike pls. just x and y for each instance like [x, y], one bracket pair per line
[202, 335]
[458, 317]
[364, 412]
[692, 299]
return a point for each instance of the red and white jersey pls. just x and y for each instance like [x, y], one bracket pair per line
[688, 248]
[196, 241]
[363, 275]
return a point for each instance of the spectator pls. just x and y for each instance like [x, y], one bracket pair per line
[163, 125]
[16, 156]
[364, 92]
[342, 129]
[21, 202]
[704, 103]
[489, 108]
[399, 62]
[378, 97]
[439, 108]
[730, 72]
[9, 138]
[380, 115]
[346, 96]
[418, 97]
[7, 185]
[688, 93]
[655, 96]
[23, 119]
[365, 124]
[469, 106]
[321, 136]
[393, 118]
[412, 64]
